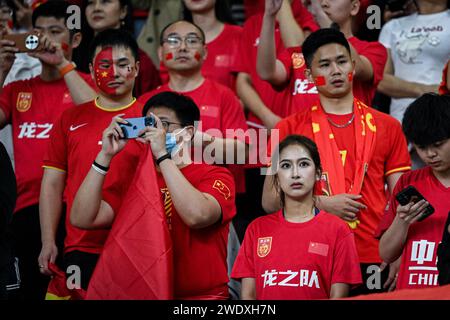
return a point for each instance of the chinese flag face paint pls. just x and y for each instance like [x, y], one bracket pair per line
[65, 47]
[169, 56]
[198, 56]
[104, 70]
[350, 76]
[319, 81]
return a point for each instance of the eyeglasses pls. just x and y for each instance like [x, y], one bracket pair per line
[190, 42]
[166, 124]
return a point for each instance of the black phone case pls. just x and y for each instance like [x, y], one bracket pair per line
[405, 196]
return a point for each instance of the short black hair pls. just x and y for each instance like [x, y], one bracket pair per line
[53, 9]
[320, 38]
[114, 38]
[427, 119]
[161, 36]
[184, 107]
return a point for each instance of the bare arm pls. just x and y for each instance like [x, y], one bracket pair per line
[398, 88]
[392, 180]
[248, 289]
[222, 149]
[267, 65]
[80, 91]
[363, 67]
[253, 102]
[50, 206]
[270, 197]
[291, 33]
[339, 290]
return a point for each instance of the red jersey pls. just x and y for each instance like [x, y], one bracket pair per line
[219, 65]
[199, 255]
[148, 77]
[293, 261]
[443, 87]
[74, 144]
[304, 92]
[219, 109]
[418, 266]
[390, 155]
[32, 107]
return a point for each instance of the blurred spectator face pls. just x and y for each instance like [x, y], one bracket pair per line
[199, 6]
[183, 47]
[436, 155]
[5, 14]
[114, 70]
[105, 14]
[332, 70]
[340, 10]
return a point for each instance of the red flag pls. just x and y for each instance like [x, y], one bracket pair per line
[57, 288]
[136, 262]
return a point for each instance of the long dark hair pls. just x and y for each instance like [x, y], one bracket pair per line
[222, 10]
[304, 142]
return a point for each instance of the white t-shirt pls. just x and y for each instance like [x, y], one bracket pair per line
[420, 47]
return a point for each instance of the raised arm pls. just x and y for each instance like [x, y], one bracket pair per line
[291, 33]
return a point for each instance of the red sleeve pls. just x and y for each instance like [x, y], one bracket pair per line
[443, 88]
[243, 60]
[376, 53]
[285, 58]
[304, 18]
[398, 159]
[6, 103]
[244, 266]
[56, 155]
[219, 183]
[148, 78]
[346, 267]
[232, 113]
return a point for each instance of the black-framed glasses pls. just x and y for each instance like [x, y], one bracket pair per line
[166, 124]
[190, 41]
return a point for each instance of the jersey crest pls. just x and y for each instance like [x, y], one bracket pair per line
[24, 101]
[264, 246]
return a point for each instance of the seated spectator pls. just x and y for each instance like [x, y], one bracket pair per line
[117, 14]
[198, 198]
[426, 124]
[299, 252]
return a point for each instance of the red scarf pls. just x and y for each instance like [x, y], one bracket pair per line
[333, 178]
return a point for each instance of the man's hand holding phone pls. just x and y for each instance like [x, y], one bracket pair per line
[412, 206]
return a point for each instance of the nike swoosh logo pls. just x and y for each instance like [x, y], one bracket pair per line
[72, 128]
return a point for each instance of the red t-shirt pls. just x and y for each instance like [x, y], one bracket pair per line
[148, 77]
[200, 255]
[219, 64]
[74, 144]
[293, 261]
[32, 107]
[304, 92]
[219, 109]
[418, 266]
[390, 155]
[443, 88]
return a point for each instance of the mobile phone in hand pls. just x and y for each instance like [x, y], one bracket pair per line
[135, 125]
[25, 42]
[410, 194]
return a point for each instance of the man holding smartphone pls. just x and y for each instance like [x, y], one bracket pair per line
[76, 139]
[426, 124]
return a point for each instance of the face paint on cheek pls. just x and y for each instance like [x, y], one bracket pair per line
[169, 56]
[319, 81]
[104, 75]
[350, 76]
[197, 56]
[65, 47]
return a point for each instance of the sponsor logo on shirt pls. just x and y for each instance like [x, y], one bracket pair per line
[297, 60]
[423, 252]
[289, 278]
[33, 130]
[24, 101]
[264, 246]
[73, 128]
[222, 188]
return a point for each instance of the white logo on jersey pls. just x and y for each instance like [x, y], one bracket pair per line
[303, 86]
[34, 130]
[291, 278]
[72, 128]
[422, 251]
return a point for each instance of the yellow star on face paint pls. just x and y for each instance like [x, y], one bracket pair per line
[104, 74]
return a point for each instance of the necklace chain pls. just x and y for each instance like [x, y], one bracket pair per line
[342, 125]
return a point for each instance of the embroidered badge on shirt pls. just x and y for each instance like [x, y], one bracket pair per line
[264, 246]
[24, 101]
[222, 188]
[297, 60]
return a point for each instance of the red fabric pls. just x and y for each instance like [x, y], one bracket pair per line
[418, 266]
[74, 144]
[219, 109]
[200, 255]
[148, 77]
[435, 293]
[320, 252]
[32, 112]
[443, 88]
[57, 287]
[390, 155]
[136, 262]
[219, 64]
